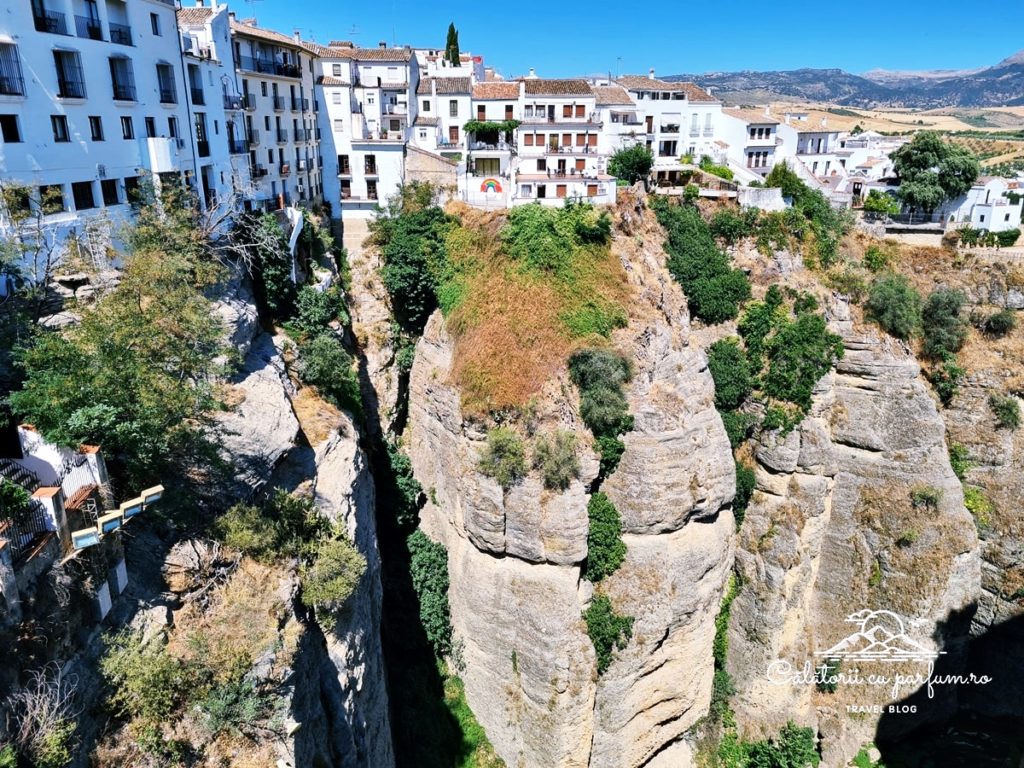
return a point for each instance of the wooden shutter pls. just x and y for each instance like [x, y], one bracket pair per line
[581, 164]
[566, 139]
[481, 112]
[591, 190]
[581, 139]
[566, 110]
[453, 133]
[560, 190]
[528, 140]
[580, 111]
[592, 139]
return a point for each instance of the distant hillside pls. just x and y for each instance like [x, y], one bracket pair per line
[1000, 85]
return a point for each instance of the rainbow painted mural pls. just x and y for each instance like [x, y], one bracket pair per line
[491, 185]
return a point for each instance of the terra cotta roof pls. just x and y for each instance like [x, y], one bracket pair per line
[496, 90]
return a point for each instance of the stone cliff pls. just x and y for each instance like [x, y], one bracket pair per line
[514, 557]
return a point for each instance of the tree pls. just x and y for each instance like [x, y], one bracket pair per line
[605, 548]
[428, 569]
[932, 170]
[881, 203]
[451, 47]
[731, 373]
[945, 329]
[631, 163]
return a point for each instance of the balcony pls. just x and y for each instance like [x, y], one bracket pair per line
[268, 67]
[709, 131]
[248, 102]
[396, 109]
[695, 132]
[302, 165]
[51, 21]
[670, 128]
[569, 150]
[370, 170]
[197, 95]
[203, 147]
[168, 96]
[124, 92]
[285, 169]
[258, 171]
[300, 105]
[279, 103]
[11, 81]
[70, 89]
[594, 118]
[88, 28]
[120, 33]
[302, 135]
[282, 136]
[253, 137]
[237, 146]
[233, 103]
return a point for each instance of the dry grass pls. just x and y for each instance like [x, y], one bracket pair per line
[318, 419]
[509, 326]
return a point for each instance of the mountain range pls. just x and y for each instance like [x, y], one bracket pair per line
[995, 86]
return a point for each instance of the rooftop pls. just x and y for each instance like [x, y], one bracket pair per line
[755, 116]
[537, 86]
[496, 90]
[692, 91]
[444, 86]
[247, 29]
[608, 95]
[197, 15]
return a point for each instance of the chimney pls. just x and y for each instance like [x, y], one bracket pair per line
[231, 15]
[650, 73]
[824, 122]
[297, 35]
[767, 111]
[532, 74]
[382, 44]
[199, 3]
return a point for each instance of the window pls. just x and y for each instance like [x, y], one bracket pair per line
[453, 134]
[154, 23]
[560, 190]
[81, 191]
[580, 164]
[528, 140]
[343, 165]
[592, 140]
[453, 108]
[371, 189]
[336, 70]
[59, 123]
[370, 165]
[591, 190]
[127, 128]
[266, 122]
[165, 77]
[51, 199]
[346, 189]
[263, 88]
[17, 200]
[566, 110]
[339, 126]
[96, 127]
[508, 111]
[336, 97]
[481, 112]
[151, 127]
[426, 105]
[423, 134]
[111, 194]
[528, 110]
[581, 139]
[581, 110]
[982, 218]
[131, 188]
[9, 129]
[172, 127]
[11, 81]
[542, 165]
[122, 79]
[70, 82]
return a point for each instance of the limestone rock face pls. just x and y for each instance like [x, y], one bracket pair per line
[833, 528]
[516, 591]
[261, 428]
[236, 307]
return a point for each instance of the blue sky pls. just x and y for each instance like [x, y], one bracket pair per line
[672, 36]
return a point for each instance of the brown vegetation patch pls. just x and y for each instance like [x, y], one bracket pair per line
[318, 419]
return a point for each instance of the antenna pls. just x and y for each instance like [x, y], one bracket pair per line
[618, 67]
[252, 7]
[354, 32]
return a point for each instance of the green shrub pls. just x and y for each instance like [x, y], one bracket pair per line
[720, 646]
[691, 193]
[907, 537]
[545, 239]
[1001, 323]
[605, 548]
[730, 371]
[411, 237]
[272, 264]
[556, 459]
[332, 576]
[876, 259]
[825, 676]
[245, 528]
[601, 376]
[409, 496]
[282, 526]
[926, 497]
[611, 449]
[503, 458]
[722, 689]
[1006, 410]
[8, 757]
[428, 569]
[759, 321]
[895, 305]
[945, 330]
[732, 225]
[325, 364]
[714, 290]
[947, 379]
[959, 460]
[721, 171]
[1007, 237]
[607, 630]
[14, 500]
[799, 354]
[146, 682]
[881, 203]
[794, 747]
[850, 283]
[738, 426]
[746, 480]
[234, 706]
[978, 505]
[316, 310]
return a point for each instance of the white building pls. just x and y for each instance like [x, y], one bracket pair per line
[92, 102]
[443, 109]
[985, 206]
[751, 138]
[558, 145]
[622, 124]
[680, 119]
[276, 74]
[368, 110]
